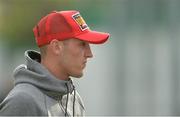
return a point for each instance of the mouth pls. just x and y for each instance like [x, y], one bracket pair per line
[84, 64]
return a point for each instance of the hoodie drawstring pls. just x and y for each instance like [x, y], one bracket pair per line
[67, 99]
[74, 100]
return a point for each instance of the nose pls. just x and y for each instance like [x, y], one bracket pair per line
[88, 51]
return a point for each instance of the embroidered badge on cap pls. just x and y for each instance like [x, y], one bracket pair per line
[80, 21]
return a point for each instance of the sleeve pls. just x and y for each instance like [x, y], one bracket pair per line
[19, 105]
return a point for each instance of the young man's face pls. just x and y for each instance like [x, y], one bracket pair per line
[74, 56]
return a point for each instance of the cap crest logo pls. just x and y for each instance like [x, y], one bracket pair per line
[80, 21]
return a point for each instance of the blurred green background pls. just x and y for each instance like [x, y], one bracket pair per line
[135, 73]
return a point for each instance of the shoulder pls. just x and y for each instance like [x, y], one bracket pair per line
[20, 101]
[26, 92]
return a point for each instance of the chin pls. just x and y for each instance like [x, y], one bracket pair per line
[77, 75]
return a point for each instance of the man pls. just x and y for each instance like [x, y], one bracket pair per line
[43, 86]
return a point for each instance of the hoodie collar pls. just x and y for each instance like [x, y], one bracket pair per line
[36, 74]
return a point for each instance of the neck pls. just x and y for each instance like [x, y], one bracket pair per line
[54, 69]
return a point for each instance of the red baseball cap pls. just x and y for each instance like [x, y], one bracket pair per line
[65, 25]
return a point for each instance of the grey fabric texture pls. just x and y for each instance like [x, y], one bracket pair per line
[38, 93]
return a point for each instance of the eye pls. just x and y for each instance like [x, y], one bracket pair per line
[83, 43]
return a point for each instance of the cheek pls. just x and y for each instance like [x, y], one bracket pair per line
[73, 59]
[76, 61]
[73, 66]
[76, 55]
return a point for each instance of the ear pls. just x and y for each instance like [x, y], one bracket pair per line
[56, 46]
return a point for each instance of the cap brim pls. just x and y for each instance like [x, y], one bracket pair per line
[94, 37]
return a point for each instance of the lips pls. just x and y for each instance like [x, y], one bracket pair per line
[84, 64]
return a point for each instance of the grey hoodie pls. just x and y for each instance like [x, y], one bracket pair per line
[38, 93]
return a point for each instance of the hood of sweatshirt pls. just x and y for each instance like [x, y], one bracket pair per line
[33, 72]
